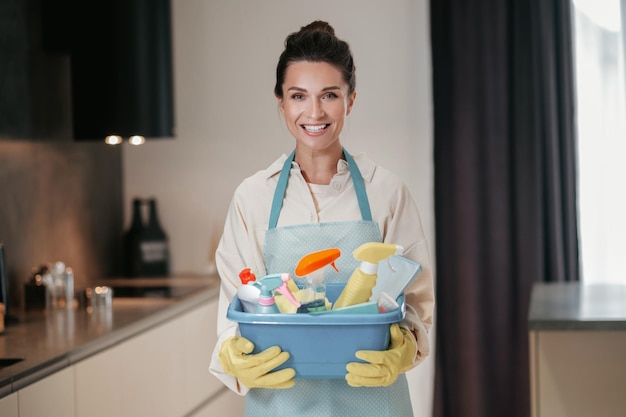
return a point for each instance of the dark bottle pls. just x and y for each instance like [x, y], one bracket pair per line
[132, 242]
[154, 245]
[147, 248]
[4, 288]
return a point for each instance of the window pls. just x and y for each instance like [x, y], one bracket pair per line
[599, 50]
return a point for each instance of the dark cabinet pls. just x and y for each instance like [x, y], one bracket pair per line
[85, 69]
[34, 82]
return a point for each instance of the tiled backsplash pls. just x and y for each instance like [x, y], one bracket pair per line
[60, 201]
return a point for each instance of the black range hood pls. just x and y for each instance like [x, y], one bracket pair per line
[121, 66]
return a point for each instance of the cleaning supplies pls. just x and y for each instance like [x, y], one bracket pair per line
[394, 276]
[311, 266]
[249, 291]
[363, 279]
[386, 303]
[370, 307]
[269, 283]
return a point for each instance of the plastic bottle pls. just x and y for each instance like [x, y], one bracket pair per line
[311, 266]
[269, 283]
[248, 293]
[359, 287]
[313, 295]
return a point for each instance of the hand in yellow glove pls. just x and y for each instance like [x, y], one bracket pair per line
[384, 366]
[253, 370]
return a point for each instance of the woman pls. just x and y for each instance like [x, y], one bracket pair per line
[320, 197]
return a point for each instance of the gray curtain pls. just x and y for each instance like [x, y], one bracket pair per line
[505, 191]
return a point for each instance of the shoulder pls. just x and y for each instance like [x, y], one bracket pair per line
[376, 174]
[386, 190]
[261, 180]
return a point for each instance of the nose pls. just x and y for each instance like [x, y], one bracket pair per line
[316, 110]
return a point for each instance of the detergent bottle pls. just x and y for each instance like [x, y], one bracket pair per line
[248, 293]
[313, 295]
[359, 287]
[269, 284]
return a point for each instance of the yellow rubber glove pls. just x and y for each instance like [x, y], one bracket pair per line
[254, 370]
[384, 366]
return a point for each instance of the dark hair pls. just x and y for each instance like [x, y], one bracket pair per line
[316, 42]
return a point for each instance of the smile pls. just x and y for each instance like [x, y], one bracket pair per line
[315, 128]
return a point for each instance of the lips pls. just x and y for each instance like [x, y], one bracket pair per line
[315, 128]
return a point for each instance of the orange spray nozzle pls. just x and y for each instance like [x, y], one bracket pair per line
[316, 260]
[246, 276]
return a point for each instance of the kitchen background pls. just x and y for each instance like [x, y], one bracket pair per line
[70, 201]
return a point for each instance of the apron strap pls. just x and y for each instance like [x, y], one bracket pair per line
[359, 187]
[281, 188]
[279, 193]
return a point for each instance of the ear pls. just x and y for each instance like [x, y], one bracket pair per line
[280, 101]
[351, 99]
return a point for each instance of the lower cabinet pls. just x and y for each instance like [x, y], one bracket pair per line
[51, 397]
[578, 373]
[163, 371]
[8, 406]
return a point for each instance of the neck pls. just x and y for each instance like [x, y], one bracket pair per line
[318, 167]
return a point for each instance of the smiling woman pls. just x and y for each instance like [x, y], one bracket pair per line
[601, 108]
[320, 196]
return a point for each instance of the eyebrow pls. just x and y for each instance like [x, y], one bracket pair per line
[332, 88]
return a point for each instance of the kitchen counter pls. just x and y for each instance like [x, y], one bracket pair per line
[50, 341]
[577, 306]
[577, 340]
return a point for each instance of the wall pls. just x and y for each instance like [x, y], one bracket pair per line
[228, 123]
[60, 201]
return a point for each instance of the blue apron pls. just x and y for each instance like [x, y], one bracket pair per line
[284, 247]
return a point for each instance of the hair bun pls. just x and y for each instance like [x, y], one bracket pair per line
[318, 26]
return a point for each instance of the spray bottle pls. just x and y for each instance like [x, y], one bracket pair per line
[248, 293]
[270, 283]
[359, 287]
[313, 295]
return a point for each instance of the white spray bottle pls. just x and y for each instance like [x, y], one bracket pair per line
[249, 291]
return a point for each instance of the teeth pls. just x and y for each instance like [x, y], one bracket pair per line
[313, 129]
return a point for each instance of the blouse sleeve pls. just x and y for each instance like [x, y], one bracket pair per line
[233, 254]
[405, 228]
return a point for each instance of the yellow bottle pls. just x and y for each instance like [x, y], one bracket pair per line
[359, 287]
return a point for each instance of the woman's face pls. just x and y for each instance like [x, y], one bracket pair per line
[315, 103]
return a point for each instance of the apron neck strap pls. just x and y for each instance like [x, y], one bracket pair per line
[281, 188]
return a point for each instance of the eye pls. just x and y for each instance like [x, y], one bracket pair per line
[297, 96]
[329, 95]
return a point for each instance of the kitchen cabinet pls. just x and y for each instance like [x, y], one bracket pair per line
[34, 78]
[577, 343]
[8, 406]
[579, 373]
[152, 372]
[98, 386]
[154, 361]
[51, 397]
[161, 372]
[199, 337]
